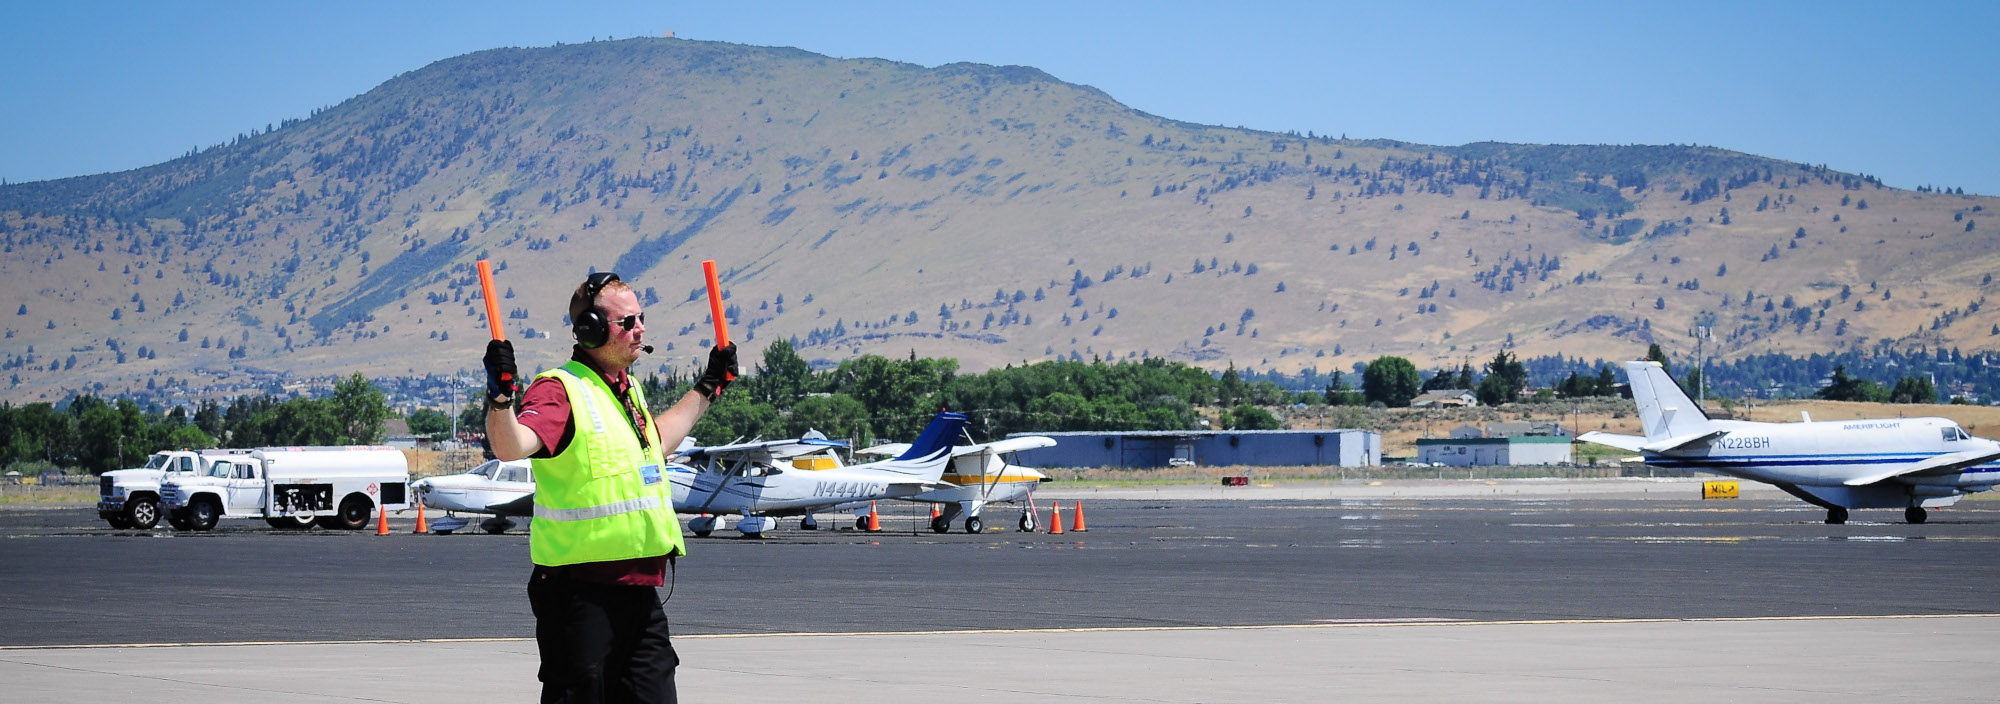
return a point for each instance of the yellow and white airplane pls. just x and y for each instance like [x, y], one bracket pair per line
[980, 475]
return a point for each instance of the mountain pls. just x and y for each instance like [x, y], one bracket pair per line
[992, 214]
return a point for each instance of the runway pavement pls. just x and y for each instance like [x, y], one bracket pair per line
[1806, 661]
[1491, 592]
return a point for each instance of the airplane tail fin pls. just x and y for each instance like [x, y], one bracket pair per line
[1665, 410]
[937, 437]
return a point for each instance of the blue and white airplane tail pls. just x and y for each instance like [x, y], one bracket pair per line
[924, 463]
[937, 437]
[1665, 410]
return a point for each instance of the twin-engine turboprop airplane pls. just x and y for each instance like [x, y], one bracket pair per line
[501, 489]
[1907, 463]
[979, 476]
[743, 479]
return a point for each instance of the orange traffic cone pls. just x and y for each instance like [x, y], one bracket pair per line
[381, 519]
[1078, 526]
[874, 519]
[423, 527]
[936, 511]
[1055, 518]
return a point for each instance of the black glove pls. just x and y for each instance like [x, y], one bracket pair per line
[500, 373]
[721, 370]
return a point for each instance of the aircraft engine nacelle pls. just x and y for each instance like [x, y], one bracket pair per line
[1884, 495]
[1928, 491]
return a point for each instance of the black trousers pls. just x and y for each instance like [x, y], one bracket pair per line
[601, 643]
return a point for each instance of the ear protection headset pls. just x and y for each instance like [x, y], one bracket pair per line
[591, 328]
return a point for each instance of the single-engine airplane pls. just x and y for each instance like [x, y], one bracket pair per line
[742, 479]
[500, 489]
[979, 476]
[1908, 463]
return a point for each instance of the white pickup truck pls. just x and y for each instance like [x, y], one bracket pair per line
[291, 487]
[130, 498]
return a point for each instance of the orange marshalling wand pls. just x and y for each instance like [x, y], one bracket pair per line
[492, 301]
[715, 306]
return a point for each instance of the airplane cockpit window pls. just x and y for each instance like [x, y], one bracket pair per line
[1953, 433]
[486, 470]
[513, 474]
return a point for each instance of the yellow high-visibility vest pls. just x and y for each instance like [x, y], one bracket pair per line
[593, 502]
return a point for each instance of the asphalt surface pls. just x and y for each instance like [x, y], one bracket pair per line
[71, 580]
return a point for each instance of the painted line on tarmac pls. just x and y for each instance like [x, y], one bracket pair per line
[1331, 624]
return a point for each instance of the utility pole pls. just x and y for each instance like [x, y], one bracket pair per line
[452, 407]
[1700, 333]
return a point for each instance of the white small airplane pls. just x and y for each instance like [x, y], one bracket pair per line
[1907, 463]
[500, 489]
[979, 476]
[744, 479]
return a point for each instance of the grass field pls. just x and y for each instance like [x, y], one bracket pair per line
[31, 494]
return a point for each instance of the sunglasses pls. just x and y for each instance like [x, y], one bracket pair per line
[628, 322]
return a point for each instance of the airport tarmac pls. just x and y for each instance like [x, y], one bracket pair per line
[1544, 590]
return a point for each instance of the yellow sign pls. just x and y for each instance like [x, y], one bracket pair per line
[1718, 490]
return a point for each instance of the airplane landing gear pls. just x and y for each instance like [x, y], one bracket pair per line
[1027, 522]
[940, 525]
[1836, 516]
[973, 525]
[756, 526]
[808, 523]
[495, 525]
[701, 526]
[1915, 515]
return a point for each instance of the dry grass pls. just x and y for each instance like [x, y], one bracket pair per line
[1214, 475]
[62, 494]
[1401, 427]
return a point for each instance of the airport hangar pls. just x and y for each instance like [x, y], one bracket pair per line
[1162, 448]
[1512, 450]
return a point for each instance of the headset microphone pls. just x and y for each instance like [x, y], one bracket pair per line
[648, 349]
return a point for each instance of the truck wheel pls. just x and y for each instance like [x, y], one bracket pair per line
[142, 513]
[353, 514]
[289, 522]
[203, 514]
[179, 520]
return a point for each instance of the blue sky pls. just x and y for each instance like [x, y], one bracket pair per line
[1905, 92]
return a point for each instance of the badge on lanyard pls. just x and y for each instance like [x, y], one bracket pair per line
[650, 473]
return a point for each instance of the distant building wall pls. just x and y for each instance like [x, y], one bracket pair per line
[1140, 449]
[1466, 452]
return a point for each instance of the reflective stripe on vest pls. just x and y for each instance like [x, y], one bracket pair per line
[589, 512]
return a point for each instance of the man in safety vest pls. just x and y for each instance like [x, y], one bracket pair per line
[604, 531]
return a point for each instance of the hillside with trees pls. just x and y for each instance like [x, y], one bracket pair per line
[993, 216]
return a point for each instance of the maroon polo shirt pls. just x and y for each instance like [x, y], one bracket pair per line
[545, 410]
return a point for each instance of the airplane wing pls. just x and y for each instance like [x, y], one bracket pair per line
[1028, 442]
[768, 450]
[997, 447]
[1940, 464]
[890, 450]
[1622, 442]
[523, 506]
